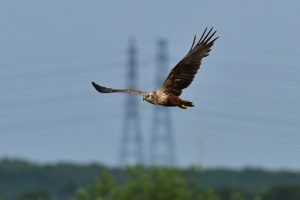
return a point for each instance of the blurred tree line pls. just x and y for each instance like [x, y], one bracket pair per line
[20, 180]
[172, 184]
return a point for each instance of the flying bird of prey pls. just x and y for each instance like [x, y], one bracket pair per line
[180, 77]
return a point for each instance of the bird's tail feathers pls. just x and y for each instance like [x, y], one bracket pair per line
[188, 103]
[184, 104]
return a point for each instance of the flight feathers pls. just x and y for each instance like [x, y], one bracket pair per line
[102, 89]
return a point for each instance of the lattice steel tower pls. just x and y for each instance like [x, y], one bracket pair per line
[162, 141]
[132, 140]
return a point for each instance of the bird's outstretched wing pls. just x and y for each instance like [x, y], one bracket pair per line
[102, 89]
[184, 72]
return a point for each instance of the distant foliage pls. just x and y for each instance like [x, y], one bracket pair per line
[34, 195]
[171, 184]
[282, 193]
[151, 184]
[21, 180]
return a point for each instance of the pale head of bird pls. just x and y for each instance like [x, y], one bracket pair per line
[148, 97]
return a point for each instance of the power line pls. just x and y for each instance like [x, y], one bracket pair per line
[132, 141]
[162, 141]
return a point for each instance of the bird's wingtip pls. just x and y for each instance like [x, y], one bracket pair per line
[101, 89]
[94, 84]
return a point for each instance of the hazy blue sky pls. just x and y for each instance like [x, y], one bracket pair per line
[247, 93]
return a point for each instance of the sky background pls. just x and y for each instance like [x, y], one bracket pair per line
[246, 94]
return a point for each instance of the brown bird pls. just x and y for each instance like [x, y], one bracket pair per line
[179, 78]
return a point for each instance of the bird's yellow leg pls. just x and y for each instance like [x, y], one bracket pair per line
[183, 106]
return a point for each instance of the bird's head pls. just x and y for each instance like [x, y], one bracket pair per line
[147, 97]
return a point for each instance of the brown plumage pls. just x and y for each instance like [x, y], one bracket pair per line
[180, 77]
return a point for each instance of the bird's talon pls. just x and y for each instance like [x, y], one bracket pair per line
[183, 106]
